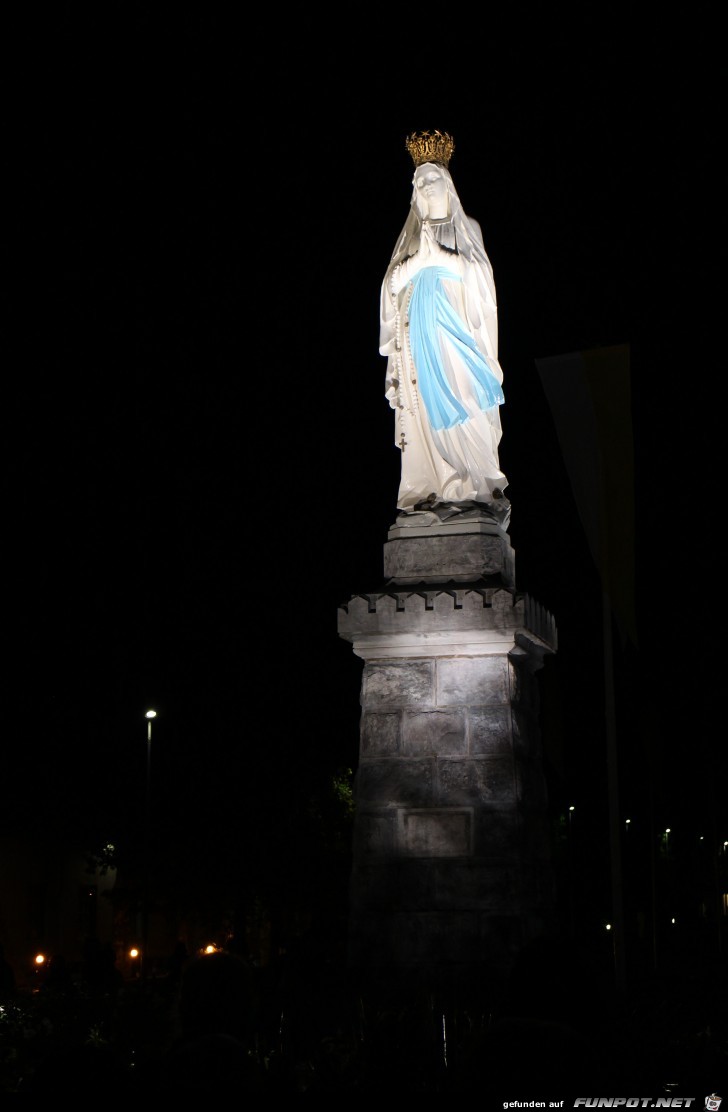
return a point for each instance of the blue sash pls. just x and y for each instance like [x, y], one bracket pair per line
[433, 322]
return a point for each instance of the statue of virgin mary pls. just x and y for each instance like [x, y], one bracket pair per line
[439, 332]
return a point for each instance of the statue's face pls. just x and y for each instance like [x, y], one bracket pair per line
[432, 191]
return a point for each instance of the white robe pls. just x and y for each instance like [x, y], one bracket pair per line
[439, 464]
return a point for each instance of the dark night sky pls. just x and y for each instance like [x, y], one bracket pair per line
[200, 462]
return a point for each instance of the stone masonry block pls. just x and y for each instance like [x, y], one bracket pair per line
[474, 782]
[401, 884]
[472, 680]
[491, 733]
[380, 734]
[442, 557]
[398, 683]
[470, 885]
[374, 834]
[434, 732]
[435, 833]
[389, 782]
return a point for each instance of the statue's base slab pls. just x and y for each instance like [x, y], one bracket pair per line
[462, 552]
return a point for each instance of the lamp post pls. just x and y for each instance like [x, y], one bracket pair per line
[149, 715]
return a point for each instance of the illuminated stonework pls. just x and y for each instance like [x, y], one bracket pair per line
[451, 871]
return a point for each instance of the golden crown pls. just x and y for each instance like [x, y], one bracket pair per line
[430, 146]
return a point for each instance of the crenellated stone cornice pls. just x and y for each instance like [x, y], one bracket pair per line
[444, 621]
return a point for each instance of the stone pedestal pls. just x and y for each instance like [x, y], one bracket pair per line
[451, 874]
[462, 553]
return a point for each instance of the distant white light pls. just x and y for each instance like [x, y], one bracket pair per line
[151, 714]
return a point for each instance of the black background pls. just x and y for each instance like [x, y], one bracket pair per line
[200, 460]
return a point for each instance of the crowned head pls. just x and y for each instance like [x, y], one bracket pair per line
[430, 146]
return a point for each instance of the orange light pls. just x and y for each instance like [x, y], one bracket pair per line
[133, 953]
[39, 959]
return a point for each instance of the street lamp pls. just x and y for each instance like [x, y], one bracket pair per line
[149, 715]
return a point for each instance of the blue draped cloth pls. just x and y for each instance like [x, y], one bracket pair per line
[433, 323]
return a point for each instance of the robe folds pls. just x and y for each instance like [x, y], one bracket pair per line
[438, 329]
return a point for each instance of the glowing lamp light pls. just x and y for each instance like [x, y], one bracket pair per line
[133, 953]
[39, 959]
[209, 949]
[607, 926]
[151, 714]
